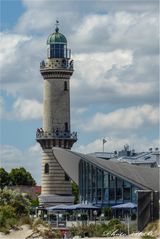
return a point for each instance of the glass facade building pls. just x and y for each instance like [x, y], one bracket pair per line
[101, 187]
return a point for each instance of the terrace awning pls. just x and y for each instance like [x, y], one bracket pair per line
[71, 207]
[57, 207]
[128, 205]
[82, 206]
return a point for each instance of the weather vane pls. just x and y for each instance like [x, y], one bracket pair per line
[57, 24]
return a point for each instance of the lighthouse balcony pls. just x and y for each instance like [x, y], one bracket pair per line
[56, 64]
[40, 135]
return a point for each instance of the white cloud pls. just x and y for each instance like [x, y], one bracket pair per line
[78, 111]
[94, 66]
[46, 12]
[27, 109]
[123, 119]
[22, 109]
[20, 57]
[9, 43]
[12, 157]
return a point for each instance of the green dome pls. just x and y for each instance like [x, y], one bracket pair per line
[56, 37]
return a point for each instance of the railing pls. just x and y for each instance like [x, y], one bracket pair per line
[56, 135]
[64, 64]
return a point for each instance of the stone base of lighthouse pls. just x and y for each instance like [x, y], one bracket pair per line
[56, 186]
[53, 200]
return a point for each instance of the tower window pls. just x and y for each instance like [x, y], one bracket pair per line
[66, 177]
[66, 127]
[65, 85]
[46, 168]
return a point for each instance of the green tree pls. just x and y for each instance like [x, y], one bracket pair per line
[19, 176]
[75, 192]
[4, 178]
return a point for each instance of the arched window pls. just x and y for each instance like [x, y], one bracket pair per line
[66, 177]
[46, 168]
[65, 85]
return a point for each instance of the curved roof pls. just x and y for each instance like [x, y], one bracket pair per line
[56, 37]
[143, 177]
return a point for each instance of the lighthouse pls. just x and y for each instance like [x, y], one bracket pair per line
[56, 71]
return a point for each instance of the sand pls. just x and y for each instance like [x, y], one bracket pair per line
[24, 232]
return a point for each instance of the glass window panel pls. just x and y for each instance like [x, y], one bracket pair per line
[112, 187]
[80, 177]
[106, 195]
[134, 194]
[119, 183]
[99, 194]
[93, 194]
[90, 176]
[112, 179]
[105, 180]
[111, 194]
[119, 190]
[99, 178]
[86, 176]
[126, 191]
[93, 177]
[119, 194]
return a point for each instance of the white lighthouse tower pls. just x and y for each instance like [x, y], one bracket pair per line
[56, 132]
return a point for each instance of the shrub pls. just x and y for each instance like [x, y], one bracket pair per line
[73, 230]
[48, 234]
[84, 217]
[107, 212]
[35, 202]
[15, 199]
[25, 220]
[6, 212]
[112, 228]
[38, 221]
[56, 234]
[5, 230]
[113, 222]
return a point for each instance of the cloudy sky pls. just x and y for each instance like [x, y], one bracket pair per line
[114, 88]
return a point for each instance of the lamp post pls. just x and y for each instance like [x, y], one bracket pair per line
[95, 214]
[128, 223]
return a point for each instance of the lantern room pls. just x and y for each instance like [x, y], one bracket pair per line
[58, 45]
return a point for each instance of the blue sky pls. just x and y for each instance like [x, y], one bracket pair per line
[114, 88]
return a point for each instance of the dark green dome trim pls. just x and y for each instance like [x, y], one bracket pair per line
[56, 37]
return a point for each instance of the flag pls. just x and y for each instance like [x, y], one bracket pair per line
[104, 141]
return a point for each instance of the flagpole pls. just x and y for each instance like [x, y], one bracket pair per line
[104, 141]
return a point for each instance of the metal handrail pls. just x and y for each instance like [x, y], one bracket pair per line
[58, 135]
